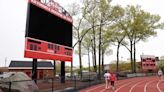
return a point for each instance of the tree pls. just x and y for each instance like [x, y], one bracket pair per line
[103, 18]
[108, 15]
[86, 45]
[103, 15]
[141, 26]
[115, 31]
[92, 20]
[79, 14]
[105, 51]
[160, 65]
[119, 39]
[82, 27]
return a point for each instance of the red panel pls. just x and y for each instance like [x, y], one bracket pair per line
[148, 65]
[30, 54]
[44, 50]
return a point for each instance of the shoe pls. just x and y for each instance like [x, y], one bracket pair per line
[113, 88]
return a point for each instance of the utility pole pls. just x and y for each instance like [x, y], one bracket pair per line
[5, 61]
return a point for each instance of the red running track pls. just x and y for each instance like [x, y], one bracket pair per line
[139, 84]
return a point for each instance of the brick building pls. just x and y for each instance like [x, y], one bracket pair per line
[44, 68]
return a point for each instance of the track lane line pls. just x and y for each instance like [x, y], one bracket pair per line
[135, 85]
[140, 87]
[116, 85]
[100, 88]
[158, 86]
[95, 88]
[147, 85]
[123, 86]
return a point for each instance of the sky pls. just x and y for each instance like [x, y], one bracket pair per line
[13, 21]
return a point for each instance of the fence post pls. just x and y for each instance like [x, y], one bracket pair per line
[89, 82]
[75, 82]
[52, 84]
[89, 79]
[10, 86]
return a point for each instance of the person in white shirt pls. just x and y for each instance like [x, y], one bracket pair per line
[107, 79]
[160, 73]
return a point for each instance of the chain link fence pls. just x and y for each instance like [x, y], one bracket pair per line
[72, 84]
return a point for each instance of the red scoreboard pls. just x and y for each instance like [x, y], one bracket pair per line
[148, 62]
[48, 31]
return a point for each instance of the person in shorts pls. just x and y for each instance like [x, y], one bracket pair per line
[160, 73]
[113, 78]
[107, 79]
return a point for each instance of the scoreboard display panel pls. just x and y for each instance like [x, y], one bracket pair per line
[48, 31]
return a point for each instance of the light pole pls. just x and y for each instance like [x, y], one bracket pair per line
[121, 58]
[5, 61]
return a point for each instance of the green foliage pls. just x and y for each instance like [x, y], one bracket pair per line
[118, 26]
[136, 25]
[124, 66]
[84, 69]
[142, 24]
[160, 64]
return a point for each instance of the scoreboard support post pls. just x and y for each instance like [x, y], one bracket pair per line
[34, 70]
[54, 72]
[62, 72]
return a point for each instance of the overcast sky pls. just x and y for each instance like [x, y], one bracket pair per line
[13, 21]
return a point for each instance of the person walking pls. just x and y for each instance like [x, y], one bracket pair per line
[113, 78]
[107, 79]
[160, 73]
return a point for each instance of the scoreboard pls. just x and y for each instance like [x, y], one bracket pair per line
[48, 31]
[148, 62]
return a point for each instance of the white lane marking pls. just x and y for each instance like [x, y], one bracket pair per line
[158, 86]
[147, 85]
[95, 88]
[135, 86]
[116, 85]
[123, 86]
[103, 90]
